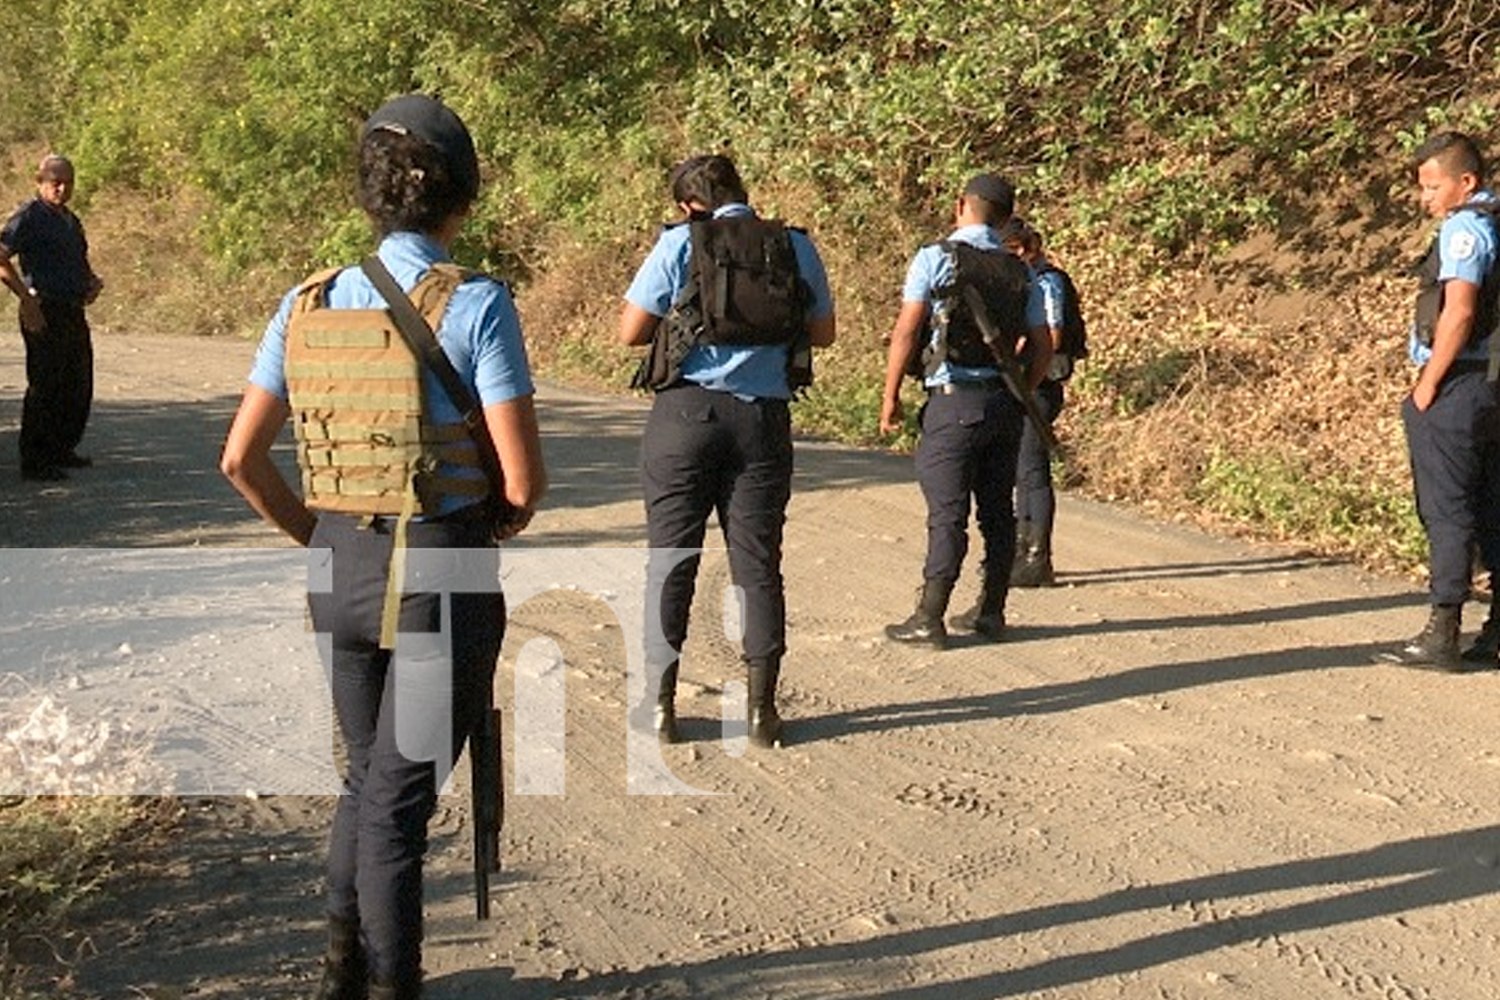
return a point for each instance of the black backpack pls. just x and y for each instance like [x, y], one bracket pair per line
[1004, 283]
[744, 288]
[749, 286]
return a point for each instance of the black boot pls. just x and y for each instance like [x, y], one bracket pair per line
[1033, 567]
[1435, 647]
[987, 616]
[765, 721]
[664, 721]
[344, 966]
[925, 626]
[1485, 649]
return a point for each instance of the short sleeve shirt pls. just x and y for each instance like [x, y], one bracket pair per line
[53, 250]
[932, 269]
[1053, 292]
[480, 332]
[1467, 251]
[749, 372]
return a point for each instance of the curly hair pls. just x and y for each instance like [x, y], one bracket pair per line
[405, 184]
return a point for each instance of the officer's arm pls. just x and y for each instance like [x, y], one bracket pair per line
[31, 309]
[247, 464]
[910, 322]
[637, 325]
[1460, 305]
[512, 425]
[1041, 342]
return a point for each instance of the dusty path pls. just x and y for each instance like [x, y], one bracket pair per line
[1182, 778]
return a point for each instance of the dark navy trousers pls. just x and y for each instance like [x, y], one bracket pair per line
[1035, 499]
[1455, 464]
[401, 716]
[968, 449]
[709, 452]
[59, 385]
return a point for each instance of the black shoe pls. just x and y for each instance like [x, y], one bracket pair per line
[1434, 648]
[1034, 570]
[990, 624]
[73, 460]
[43, 473]
[1485, 650]
[920, 630]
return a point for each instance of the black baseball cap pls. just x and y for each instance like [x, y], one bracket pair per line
[994, 189]
[434, 123]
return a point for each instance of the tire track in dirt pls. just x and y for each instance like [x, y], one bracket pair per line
[1180, 779]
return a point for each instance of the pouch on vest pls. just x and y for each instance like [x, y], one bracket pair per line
[364, 443]
[1429, 304]
[1002, 280]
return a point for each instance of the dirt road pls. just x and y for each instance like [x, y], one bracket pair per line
[1180, 778]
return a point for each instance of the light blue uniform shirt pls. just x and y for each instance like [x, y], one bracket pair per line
[1051, 285]
[932, 269]
[749, 372]
[1467, 251]
[480, 333]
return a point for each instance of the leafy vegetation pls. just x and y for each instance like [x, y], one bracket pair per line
[1222, 177]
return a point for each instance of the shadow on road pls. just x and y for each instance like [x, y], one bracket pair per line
[1389, 880]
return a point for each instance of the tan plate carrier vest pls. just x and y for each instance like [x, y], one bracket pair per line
[364, 443]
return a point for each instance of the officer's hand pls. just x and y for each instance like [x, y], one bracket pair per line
[1422, 396]
[31, 314]
[892, 415]
[514, 524]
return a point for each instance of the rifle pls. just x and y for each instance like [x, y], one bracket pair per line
[1011, 373]
[489, 799]
[484, 741]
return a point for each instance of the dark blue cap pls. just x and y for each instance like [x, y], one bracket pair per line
[434, 123]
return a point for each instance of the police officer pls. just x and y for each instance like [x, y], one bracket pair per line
[1036, 501]
[390, 472]
[970, 424]
[718, 439]
[1450, 413]
[54, 284]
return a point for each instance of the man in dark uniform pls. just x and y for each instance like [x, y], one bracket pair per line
[54, 283]
[1451, 411]
[719, 436]
[971, 423]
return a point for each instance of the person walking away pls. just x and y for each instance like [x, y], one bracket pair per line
[731, 305]
[390, 475]
[1036, 500]
[1450, 414]
[54, 283]
[971, 422]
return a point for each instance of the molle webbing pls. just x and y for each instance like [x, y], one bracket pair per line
[363, 444]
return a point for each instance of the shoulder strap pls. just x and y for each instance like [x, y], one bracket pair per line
[424, 344]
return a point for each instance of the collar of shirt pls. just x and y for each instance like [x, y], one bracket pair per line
[409, 255]
[732, 209]
[976, 235]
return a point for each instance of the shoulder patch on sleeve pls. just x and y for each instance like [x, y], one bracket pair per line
[1461, 245]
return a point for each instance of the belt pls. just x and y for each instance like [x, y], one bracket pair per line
[967, 385]
[471, 514]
